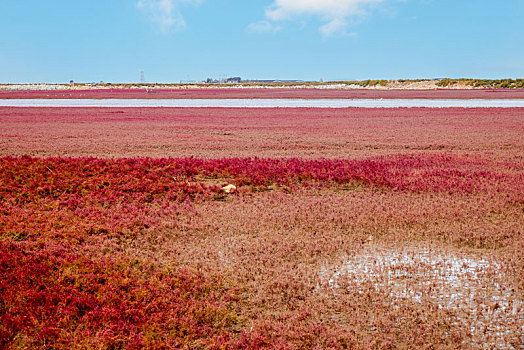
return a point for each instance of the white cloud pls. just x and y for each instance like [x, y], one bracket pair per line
[165, 13]
[334, 26]
[263, 27]
[334, 12]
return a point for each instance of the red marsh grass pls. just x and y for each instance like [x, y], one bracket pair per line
[277, 132]
[269, 265]
[393, 228]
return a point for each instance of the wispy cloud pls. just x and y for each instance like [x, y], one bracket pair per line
[334, 12]
[263, 27]
[165, 13]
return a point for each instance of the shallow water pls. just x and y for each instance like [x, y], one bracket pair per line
[266, 103]
[473, 286]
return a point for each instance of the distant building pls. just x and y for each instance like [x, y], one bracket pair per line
[233, 80]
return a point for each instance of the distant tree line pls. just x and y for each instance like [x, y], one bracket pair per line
[485, 83]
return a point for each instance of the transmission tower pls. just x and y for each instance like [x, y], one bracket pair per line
[142, 80]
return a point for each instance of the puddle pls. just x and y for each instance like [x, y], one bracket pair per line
[266, 103]
[471, 285]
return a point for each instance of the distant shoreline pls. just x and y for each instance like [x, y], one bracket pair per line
[233, 92]
[418, 84]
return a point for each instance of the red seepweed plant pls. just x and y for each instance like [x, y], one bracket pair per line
[56, 298]
[141, 252]
[347, 228]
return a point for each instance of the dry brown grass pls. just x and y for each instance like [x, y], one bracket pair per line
[282, 248]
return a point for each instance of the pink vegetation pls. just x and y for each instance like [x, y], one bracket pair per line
[138, 252]
[266, 93]
[55, 208]
[288, 133]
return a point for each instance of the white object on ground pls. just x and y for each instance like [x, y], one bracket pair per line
[229, 188]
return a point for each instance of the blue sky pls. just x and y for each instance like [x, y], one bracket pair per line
[174, 40]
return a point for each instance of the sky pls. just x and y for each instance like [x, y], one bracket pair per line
[55, 41]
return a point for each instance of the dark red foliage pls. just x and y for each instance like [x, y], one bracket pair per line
[54, 297]
[25, 179]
